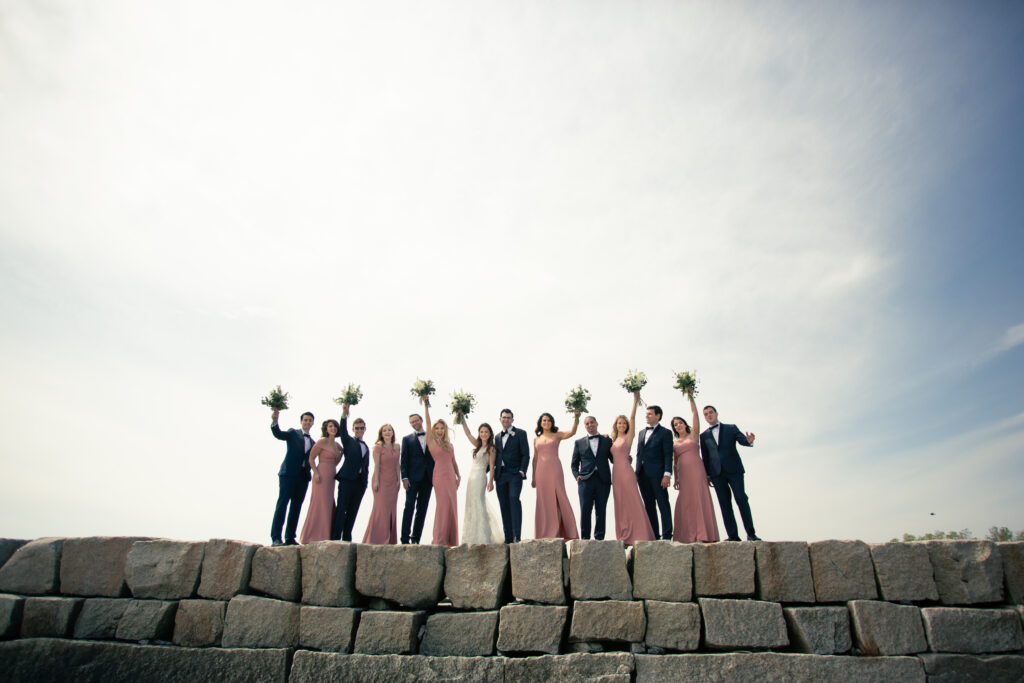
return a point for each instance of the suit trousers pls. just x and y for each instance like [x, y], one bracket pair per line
[723, 483]
[655, 499]
[291, 491]
[350, 495]
[509, 489]
[417, 498]
[593, 496]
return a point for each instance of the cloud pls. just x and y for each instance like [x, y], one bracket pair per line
[1013, 337]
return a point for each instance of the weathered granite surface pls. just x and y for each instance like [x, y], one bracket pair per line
[721, 569]
[783, 572]
[966, 572]
[316, 667]
[255, 622]
[842, 571]
[597, 571]
[164, 569]
[277, 572]
[819, 630]
[607, 620]
[147, 620]
[389, 633]
[672, 625]
[49, 617]
[973, 631]
[227, 566]
[882, 628]
[33, 569]
[332, 629]
[465, 634]
[662, 570]
[539, 571]
[95, 566]
[770, 666]
[409, 575]
[531, 628]
[477, 576]
[199, 623]
[743, 624]
[904, 571]
[329, 574]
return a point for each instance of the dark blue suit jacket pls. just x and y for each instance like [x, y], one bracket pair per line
[354, 467]
[583, 458]
[723, 456]
[654, 454]
[513, 459]
[414, 462]
[295, 463]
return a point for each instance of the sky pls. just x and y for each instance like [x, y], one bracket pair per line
[816, 207]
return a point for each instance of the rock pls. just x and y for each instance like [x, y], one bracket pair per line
[531, 628]
[199, 623]
[277, 572]
[332, 629]
[411, 575]
[389, 633]
[95, 566]
[33, 569]
[818, 630]
[329, 574]
[47, 659]
[260, 622]
[881, 628]
[164, 569]
[147, 620]
[49, 617]
[966, 572]
[662, 570]
[742, 624]
[477, 576]
[11, 608]
[783, 572]
[950, 668]
[315, 667]
[1012, 555]
[607, 620]
[904, 572]
[8, 546]
[723, 569]
[842, 571]
[538, 570]
[672, 625]
[99, 618]
[770, 666]
[585, 647]
[962, 629]
[610, 667]
[452, 634]
[227, 566]
[597, 571]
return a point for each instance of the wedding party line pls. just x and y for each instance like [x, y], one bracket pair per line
[423, 463]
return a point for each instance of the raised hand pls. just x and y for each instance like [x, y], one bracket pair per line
[750, 437]
[273, 416]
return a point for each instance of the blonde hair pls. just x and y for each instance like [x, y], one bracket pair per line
[446, 441]
[615, 426]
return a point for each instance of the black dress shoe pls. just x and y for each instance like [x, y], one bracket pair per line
[733, 538]
[274, 544]
[753, 537]
[291, 542]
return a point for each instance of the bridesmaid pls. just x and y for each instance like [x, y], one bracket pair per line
[320, 513]
[382, 528]
[554, 517]
[631, 521]
[446, 481]
[695, 515]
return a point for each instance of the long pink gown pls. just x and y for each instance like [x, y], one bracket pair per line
[631, 521]
[320, 513]
[382, 528]
[695, 514]
[446, 514]
[554, 517]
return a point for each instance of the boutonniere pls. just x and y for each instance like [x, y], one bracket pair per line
[512, 432]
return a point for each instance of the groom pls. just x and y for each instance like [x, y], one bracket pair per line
[654, 471]
[351, 477]
[590, 457]
[725, 470]
[417, 467]
[509, 472]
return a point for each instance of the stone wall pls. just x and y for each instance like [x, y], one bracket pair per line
[84, 609]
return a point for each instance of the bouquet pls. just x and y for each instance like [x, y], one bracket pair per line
[577, 399]
[462, 404]
[635, 381]
[350, 395]
[276, 400]
[423, 388]
[686, 382]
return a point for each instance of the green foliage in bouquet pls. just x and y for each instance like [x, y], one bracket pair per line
[635, 381]
[686, 382]
[577, 399]
[462, 404]
[423, 388]
[350, 395]
[276, 399]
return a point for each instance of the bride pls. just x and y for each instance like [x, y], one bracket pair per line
[480, 523]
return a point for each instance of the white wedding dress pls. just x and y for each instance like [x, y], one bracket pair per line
[480, 523]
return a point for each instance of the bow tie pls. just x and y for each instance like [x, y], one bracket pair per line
[595, 436]
[421, 433]
[715, 426]
[504, 433]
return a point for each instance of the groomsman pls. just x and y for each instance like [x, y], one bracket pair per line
[292, 478]
[654, 471]
[509, 472]
[351, 477]
[725, 470]
[590, 458]
[417, 468]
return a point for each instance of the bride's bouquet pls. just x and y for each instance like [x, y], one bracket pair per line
[423, 388]
[462, 404]
[635, 381]
[350, 395]
[276, 400]
[686, 382]
[577, 399]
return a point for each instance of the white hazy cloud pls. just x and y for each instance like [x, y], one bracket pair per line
[1013, 337]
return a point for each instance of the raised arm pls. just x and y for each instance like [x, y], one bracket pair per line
[746, 439]
[430, 425]
[575, 426]
[469, 435]
[695, 429]
[274, 429]
[632, 416]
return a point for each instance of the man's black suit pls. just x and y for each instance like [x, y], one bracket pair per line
[594, 481]
[653, 461]
[723, 464]
[417, 467]
[351, 478]
[292, 483]
[510, 466]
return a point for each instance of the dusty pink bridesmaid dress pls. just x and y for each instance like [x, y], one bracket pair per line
[320, 513]
[382, 528]
[695, 514]
[446, 514]
[554, 517]
[631, 521]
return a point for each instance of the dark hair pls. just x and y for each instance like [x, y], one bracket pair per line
[506, 410]
[323, 427]
[358, 421]
[710, 406]
[305, 414]
[490, 441]
[412, 415]
[540, 431]
[687, 424]
[657, 411]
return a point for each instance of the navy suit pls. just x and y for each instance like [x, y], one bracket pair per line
[417, 466]
[510, 466]
[653, 460]
[595, 484]
[351, 478]
[292, 482]
[723, 464]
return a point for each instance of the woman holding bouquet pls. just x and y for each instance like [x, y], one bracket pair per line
[553, 518]
[695, 515]
[446, 481]
[382, 528]
[480, 523]
[631, 521]
[324, 457]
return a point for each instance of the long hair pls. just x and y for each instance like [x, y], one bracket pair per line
[323, 428]
[446, 439]
[685, 424]
[615, 427]
[489, 444]
[380, 435]
[539, 430]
